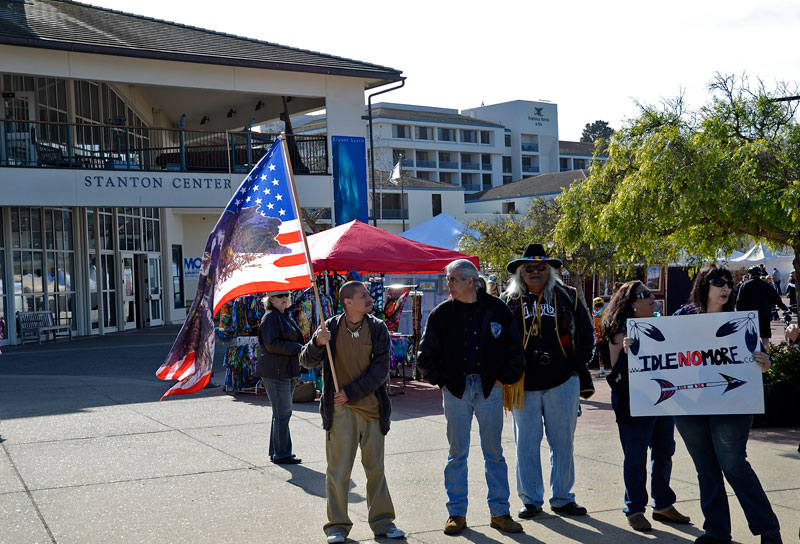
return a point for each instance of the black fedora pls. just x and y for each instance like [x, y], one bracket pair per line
[533, 253]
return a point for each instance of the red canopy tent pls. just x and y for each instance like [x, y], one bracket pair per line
[358, 246]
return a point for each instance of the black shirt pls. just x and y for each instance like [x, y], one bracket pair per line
[470, 316]
[545, 364]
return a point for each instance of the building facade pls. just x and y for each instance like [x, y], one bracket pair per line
[121, 140]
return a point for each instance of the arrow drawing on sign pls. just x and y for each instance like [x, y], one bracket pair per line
[668, 388]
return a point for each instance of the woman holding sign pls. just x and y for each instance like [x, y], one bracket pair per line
[718, 443]
[638, 434]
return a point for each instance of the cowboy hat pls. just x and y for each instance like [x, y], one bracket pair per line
[533, 253]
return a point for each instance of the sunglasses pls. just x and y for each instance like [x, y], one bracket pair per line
[647, 293]
[541, 267]
[283, 295]
[719, 282]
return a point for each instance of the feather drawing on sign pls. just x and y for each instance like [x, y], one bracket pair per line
[644, 328]
[668, 389]
[735, 325]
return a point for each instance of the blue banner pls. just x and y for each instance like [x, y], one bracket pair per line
[349, 179]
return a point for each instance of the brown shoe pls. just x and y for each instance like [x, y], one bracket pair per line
[454, 525]
[670, 515]
[506, 524]
[638, 522]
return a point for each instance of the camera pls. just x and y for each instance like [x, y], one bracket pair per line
[542, 357]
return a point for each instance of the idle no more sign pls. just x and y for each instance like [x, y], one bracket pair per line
[695, 364]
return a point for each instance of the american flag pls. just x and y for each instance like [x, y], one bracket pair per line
[256, 246]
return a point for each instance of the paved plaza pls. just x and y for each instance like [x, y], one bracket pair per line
[89, 455]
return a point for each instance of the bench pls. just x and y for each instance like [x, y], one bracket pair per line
[33, 324]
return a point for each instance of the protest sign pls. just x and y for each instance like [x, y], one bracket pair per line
[695, 364]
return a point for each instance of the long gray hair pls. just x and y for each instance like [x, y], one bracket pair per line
[517, 287]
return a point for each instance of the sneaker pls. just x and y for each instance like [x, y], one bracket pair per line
[394, 532]
[454, 525]
[287, 460]
[638, 522]
[529, 510]
[333, 538]
[670, 515]
[506, 524]
[571, 509]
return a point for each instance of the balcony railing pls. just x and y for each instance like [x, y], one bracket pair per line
[470, 166]
[473, 187]
[529, 168]
[118, 147]
[530, 147]
[426, 164]
[486, 166]
[448, 165]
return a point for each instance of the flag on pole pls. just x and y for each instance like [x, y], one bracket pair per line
[256, 246]
[395, 173]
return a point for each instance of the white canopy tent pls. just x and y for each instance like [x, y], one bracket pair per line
[440, 231]
[761, 254]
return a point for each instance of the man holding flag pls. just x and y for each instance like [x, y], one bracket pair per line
[356, 414]
[258, 245]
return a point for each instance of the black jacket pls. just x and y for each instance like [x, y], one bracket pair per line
[281, 341]
[374, 380]
[756, 294]
[576, 329]
[441, 352]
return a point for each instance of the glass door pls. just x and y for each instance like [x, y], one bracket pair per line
[154, 284]
[18, 108]
[128, 291]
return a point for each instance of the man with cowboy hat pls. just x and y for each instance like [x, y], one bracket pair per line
[558, 338]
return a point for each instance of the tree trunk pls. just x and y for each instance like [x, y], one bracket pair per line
[576, 279]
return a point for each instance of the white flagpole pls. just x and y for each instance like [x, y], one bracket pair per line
[287, 163]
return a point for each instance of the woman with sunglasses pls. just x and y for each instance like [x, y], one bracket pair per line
[278, 365]
[638, 434]
[718, 443]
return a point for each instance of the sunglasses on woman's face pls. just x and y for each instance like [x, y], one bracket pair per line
[284, 295]
[719, 282]
[541, 267]
[647, 293]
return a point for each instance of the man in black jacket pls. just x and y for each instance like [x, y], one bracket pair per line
[469, 349]
[357, 415]
[756, 294]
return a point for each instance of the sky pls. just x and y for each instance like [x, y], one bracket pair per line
[596, 60]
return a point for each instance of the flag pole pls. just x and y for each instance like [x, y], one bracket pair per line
[290, 175]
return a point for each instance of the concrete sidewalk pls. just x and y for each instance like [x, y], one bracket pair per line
[89, 455]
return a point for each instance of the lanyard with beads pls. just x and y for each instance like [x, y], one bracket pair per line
[536, 322]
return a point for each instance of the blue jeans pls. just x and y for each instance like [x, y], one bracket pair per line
[636, 437]
[554, 411]
[280, 398]
[718, 446]
[489, 412]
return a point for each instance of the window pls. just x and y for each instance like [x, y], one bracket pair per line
[422, 155]
[447, 134]
[507, 165]
[487, 181]
[400, 131]
[423, 174]
[578, 164]
[52, 100]
[563, 164]
[424, 133]
[509, 207]
[436, 204]
[486, 137]
[177, 276]
[469, 136]
[446, 177]
[508, 140]
[506, 180]
[486, 162]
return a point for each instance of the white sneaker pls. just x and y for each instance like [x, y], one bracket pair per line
[333, 538]
[395, 533]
